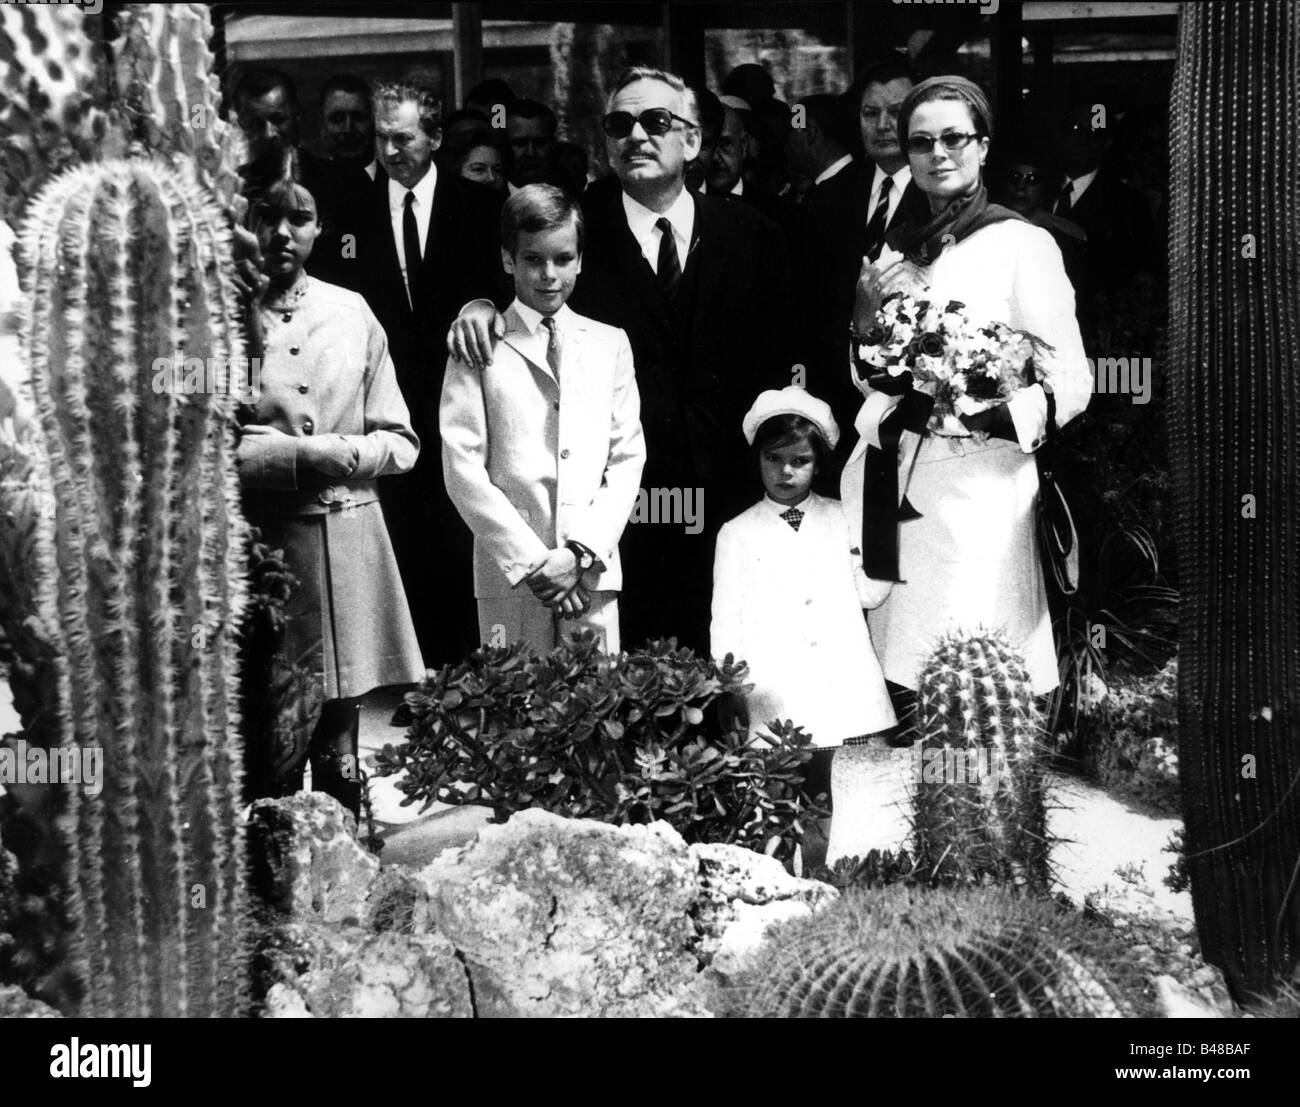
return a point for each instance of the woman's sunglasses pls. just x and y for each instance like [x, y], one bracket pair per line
[654, 121]
[952, 142]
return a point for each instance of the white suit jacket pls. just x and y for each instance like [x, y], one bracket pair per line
[531, 462]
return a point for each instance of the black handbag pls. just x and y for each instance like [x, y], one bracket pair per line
[1058, 540]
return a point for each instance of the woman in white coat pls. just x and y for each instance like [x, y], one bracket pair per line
[949, 518]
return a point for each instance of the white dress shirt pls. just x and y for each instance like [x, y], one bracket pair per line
[902, 178]
[423, 208]
[1079, 185]
[641, 221]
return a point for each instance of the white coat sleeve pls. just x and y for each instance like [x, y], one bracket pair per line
[1044, 306]
[727, 630]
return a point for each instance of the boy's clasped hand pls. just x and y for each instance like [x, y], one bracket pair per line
[556, 583]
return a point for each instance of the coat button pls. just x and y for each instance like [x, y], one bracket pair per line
[556, 405]
[564, 454]
[327, 495]
[293, 349]
[308, 426]
[303, 389]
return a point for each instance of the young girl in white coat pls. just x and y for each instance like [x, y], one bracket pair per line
[788, 594]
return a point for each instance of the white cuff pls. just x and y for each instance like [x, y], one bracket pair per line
[1028, 410]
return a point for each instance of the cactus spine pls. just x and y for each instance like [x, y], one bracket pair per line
[127, 263]
[1235, 454]
[979, 810]
[970, 953]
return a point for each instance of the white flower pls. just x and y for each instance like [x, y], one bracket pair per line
[903, 334]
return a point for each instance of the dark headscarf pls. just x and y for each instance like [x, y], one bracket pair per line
[922, 243]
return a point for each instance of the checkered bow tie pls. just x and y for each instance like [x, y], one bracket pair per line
[793, 516]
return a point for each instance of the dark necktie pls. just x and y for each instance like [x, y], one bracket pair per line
[793, 516]
[411, 245]
[876, 224]
[552, 346]
[1063, 204]
[669, 275]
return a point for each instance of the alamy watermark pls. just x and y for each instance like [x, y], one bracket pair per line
[81, 765]
[90, 7]
[682, 507]
[1125, 376]
[239, 377]
[986, 7]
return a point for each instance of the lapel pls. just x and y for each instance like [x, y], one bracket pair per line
[388, 268]
[530, 347]
[711, 253]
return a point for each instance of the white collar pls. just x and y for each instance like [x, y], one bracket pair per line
[901, 178]
[532, 318]
[641, 220]
[834, 167]
[780, 508]
[738, 189]
[372, 167]
[1081, 184]
[423, 190]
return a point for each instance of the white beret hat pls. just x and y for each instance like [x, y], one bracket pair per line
[791, 400]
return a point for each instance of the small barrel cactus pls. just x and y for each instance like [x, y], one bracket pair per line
[126, 268]
[904, 952]
[979, 809]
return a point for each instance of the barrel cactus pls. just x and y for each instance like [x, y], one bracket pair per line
[127, 273]
[1234, 362]
[905, 952]
[979, 808]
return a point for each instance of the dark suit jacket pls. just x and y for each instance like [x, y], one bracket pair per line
[699, 365]
[1120, 230]
[830, 245]
[462, 262]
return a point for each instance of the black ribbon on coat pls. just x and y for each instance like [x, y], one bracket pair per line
[881, 510]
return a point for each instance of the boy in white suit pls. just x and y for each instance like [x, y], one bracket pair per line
[542, 450]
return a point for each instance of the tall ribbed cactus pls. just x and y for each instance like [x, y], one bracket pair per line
[1235, 448]
[171, 97]
[979, 811]
[125, 263]
[908, 953]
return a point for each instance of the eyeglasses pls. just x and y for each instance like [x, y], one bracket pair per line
[1025, 178]
[952, 142]
[654, 121]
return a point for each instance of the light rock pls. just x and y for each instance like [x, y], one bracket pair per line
[1180, 1002]
[353, 974]
[743, 937]
[306, 859]
[17, 1004]
[563, 917]
[741, 893]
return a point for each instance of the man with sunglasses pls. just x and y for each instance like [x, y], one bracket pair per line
[701, 286]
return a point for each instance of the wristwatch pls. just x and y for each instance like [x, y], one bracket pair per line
[586, 559]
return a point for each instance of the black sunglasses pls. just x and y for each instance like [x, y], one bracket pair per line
[654, 121]
[953, 141]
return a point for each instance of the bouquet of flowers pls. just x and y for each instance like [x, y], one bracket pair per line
[967, 367]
